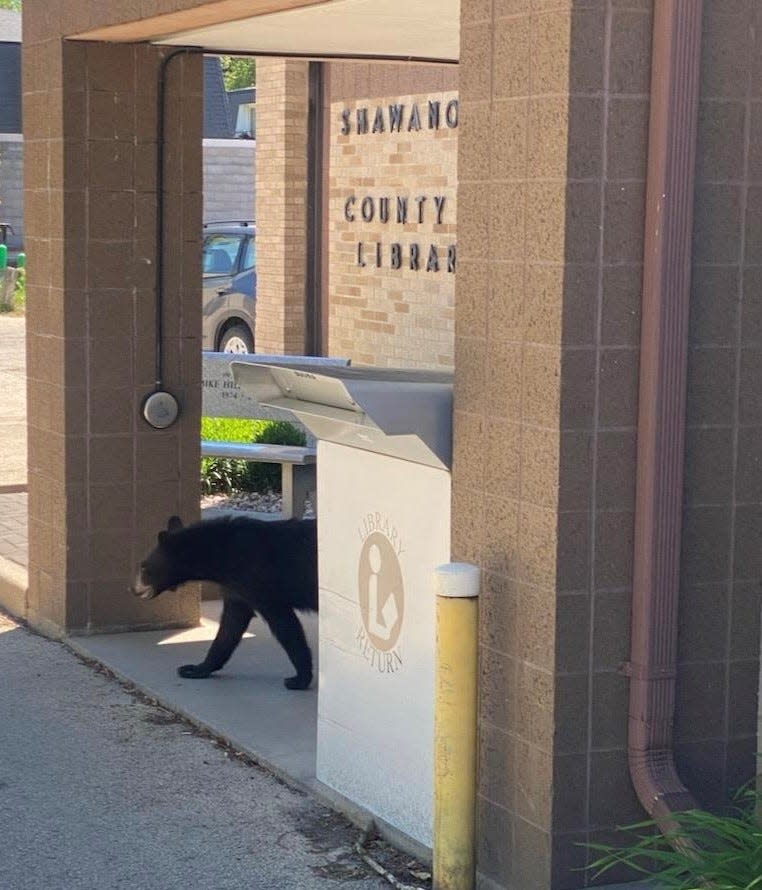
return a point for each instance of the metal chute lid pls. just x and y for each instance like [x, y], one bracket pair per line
[400, 412]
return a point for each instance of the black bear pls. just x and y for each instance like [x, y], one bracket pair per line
[263, 567]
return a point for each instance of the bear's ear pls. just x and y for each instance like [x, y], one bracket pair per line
[162, 538]
[174, 524]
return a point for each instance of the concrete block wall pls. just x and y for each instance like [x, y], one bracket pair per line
[101, 481]
[229, 179]
[547, 359]
[12, 186]
[716, 725]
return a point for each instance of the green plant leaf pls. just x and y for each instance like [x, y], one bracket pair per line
[722, 851]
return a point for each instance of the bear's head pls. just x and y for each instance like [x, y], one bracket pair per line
[159, 570]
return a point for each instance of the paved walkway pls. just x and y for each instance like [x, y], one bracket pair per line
[100, 788]
[285, 741]
[139, 795]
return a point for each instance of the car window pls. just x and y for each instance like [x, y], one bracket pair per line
[220, 254]
[249, 255]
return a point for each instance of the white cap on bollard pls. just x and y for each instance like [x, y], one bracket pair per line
[457, 579]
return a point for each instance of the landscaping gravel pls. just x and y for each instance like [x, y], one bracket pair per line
[251, 501]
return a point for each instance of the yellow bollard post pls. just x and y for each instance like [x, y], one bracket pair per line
[457, 588]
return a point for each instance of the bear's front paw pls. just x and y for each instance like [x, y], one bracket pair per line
[298, 682]
[194, 671]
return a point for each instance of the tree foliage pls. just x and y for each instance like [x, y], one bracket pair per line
[237, 71]
[15, 5]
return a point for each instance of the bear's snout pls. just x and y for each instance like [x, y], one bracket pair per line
[144, 591]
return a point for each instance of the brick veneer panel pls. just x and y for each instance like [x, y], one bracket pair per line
[281, 175]
[349, 81]
[378, 314]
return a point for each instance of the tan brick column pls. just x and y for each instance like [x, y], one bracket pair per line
[552, 161]
[101, 482]
[550, 221]
[281, 204]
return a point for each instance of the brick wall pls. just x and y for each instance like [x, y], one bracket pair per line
[281, 162]
[229, 179]
[392, 255]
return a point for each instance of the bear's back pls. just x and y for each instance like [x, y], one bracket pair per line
[271, 562]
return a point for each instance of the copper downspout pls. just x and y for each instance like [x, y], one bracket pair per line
[661, 410]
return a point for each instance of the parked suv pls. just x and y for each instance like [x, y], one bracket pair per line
[230, 286]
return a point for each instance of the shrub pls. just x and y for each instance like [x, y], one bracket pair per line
[266, 477]
[221, 474]
[225, 475]
[723, 852]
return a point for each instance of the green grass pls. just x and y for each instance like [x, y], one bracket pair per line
[228, 429]
[226, 475]
[706, 850]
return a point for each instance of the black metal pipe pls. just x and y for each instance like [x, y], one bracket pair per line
[161, 98]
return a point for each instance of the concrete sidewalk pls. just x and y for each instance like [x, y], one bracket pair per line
[135, 793]
[246, 704]
[99, 788]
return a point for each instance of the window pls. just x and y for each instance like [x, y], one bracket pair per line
[249, 255]
[246, 121]
[220, 254]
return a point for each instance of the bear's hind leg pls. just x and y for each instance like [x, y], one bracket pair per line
[288, 631]
[236, 616]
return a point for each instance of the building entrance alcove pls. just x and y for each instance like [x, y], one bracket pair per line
[164, 73]
[554, 103]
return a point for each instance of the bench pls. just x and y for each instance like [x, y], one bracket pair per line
[297, 467]
[221, 397]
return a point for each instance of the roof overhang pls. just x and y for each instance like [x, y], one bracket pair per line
[404, 30]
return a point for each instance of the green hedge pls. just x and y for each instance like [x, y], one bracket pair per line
[226, 475]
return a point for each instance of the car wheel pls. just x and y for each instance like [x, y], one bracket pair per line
[237, 339]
